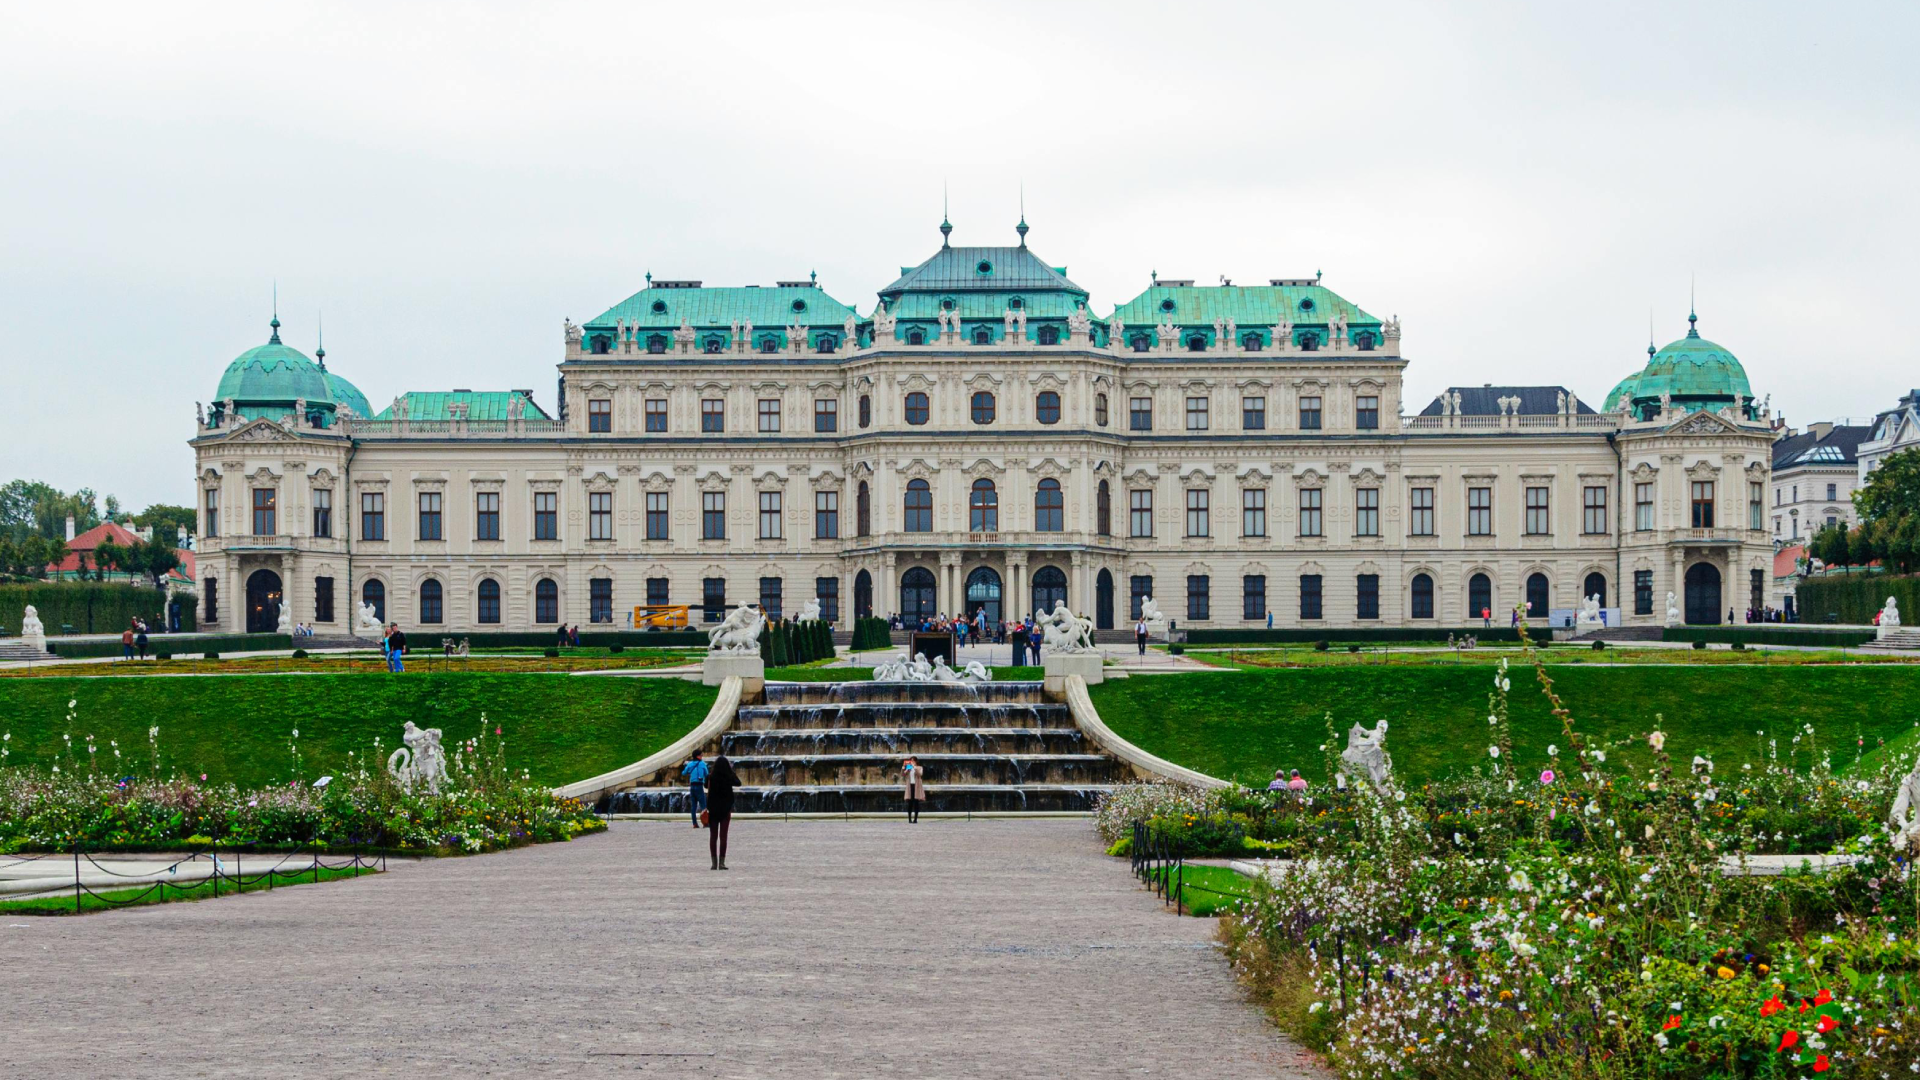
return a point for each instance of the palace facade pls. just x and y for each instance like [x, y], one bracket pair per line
[980, 438]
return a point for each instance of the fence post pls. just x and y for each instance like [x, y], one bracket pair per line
[76, 877]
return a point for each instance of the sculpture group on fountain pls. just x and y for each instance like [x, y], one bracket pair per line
[915, 668]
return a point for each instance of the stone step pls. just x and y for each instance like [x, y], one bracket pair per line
[883, 770]
[900, 741]
[836, 799]
[903, 693]
[899, 715]
[20, 650]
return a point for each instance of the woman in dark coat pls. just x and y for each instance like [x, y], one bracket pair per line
[721, 780]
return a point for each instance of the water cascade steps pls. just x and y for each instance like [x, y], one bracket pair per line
[837, 748]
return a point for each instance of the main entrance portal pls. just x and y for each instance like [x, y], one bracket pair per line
[263, 602]
[983, 594]
[1703, 595]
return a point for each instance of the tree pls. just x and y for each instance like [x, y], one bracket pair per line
[164, 518]
[157, 559]
[113, 508]
[1904, 551]
[1892, 488]
[57, 551]
[107, 558]
[33, 557]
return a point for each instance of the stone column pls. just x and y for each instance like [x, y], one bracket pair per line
[1016, 587]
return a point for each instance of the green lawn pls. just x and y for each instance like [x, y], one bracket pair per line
[1244, 725]
[1208, 890]
[238, 727]
[167, 893]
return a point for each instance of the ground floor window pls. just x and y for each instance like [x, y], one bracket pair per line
[1142, 588]
[713, 599]
[374, 595]
[1421, 606]
[1309, 596]
[770, 590]
[488, 595]
[431, 609]
[827, 589]
[600, 600]
[546, 601]
[323, 599]
[1199, 596]
[1253, 596]
[656, 592]
[1643, 592]
[213, 600]
[1367, 596]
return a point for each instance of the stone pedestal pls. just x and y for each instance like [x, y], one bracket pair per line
[1884, 631]
[1587, 626]
[1060, 665]
[35, 639]
[751, 669]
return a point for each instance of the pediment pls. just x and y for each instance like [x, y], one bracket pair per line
[1703, 423]
[262, 431]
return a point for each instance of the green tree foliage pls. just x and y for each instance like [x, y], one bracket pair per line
[164, 518]
[156, 559]
[1892, 489]
[36, 508]
[107, 557]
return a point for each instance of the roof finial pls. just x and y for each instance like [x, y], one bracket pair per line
[275, 339]
[1022, 227]
[813, 276]
[320, 327]
[946, 227]
[1693, 317]
[1650, 349]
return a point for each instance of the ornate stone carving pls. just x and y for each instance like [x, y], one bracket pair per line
[31, 632]
[739, 633]
[1066, 632]
[1365, 759]
[420, 761]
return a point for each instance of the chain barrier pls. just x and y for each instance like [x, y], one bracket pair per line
[237, 880]
[1159, 862]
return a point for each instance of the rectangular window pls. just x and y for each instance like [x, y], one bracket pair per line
[826, 414]
[1310, 413]
[713, 599]
[658, 522]
[769, 414]
[1199, 519]
[769, 515]
[827, 591]
[1366, 412]
[770, 590]
[430, 516]
[546, 515]
[826, 515]
[1199, 599]
[1366, 511]
[323, 599]
[1480, 511]
[1833, 492]
[486, 515]
[1643, 592]
[657, 592]
[600, 414]
[1253, 414]
[600, 600]
[373, 515]
[1703, 504]
[1140, 512]
[1309, 596]
[599, 515]
[1593, 510]
[1253, 596]
[213, 600]
[713, 415]
[1539, 520]
[1757, 506]
[213, 513]
[263, 511]
[1196, 414]
[1643, 507]
[713, 515]
[1140, 414]
[1367, 596]
[1420, 502]
[656, 414]
[323, 514]
[1756, 591]
[1253, 512]
[1140, 587]
[1310, 511]
[1100, 410]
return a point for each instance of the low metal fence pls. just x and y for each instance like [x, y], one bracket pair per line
[289, 869]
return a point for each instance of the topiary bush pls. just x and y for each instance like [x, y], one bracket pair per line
[1353, 648]
[616, 647]
[1322, 645]
[299, 654]
[1699, 644]
[553, 651]
[210, 656]
[1599, 646]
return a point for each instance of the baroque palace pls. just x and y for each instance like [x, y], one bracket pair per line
[981, 439]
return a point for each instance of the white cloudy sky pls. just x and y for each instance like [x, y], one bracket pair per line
[1521, 183]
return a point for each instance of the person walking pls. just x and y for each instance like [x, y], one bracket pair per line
[140, 641]
[696, 773]
[396, 649]
[1269, 618]
[721, 780]
[126, 643]
[1140, 635]
[914, 779]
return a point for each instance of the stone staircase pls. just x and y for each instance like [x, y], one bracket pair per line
[837, 747]
[1901, 640]
[14, 649]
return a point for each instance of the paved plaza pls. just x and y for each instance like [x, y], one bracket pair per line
[1002, 948]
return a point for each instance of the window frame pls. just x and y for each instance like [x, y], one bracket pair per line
[917, 404]
[1701, 502]
[826, 515]
[713, 515]
[1253, 597]
[1253, 512]
[1199, 513]
[1253, 413]
[433, 602]
[1480, 511]
[1312, 504]
[430, 520]
[546, 601]
[826, 415]
[1312, 598]
[323, 516]
[1046, 407]
[1538, 519]
[1366, 597]
[1199, 597]
[713, 416]
[1422, 520]
[656, 415]
[599, 515]
[1366, 412]
[1198, 409]
[486, 608]
[599, 600]
[266, 511]
[1140, 513]
[373, 515]
[1049, 506]
[1366, 511]
[599, 415]
[982, 407]
[916, 507]
[768, 411]
[546, 520]
[1643, 518]
[212, 508]
[1140, 414]
[659, 519]
[1311, 415]
[1099, 410]
[983, 506]
[1593, 510]
[486, 515]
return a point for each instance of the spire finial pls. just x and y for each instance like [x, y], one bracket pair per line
[275, 324]
[1022, 227]
[1693, 316]
[946, 227]
[1650, 349]
[320, 327]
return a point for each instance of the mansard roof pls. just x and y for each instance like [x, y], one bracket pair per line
[1840, 445]
[982, 269]
[668, 305]
[482, 405]
[1249, 306]
[1485, 400]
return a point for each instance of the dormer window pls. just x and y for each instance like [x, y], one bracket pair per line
[946, 304]
[1049, 335]
[1306, 303]
[1197, 343]
[827, 343]
[1309, 342]
[659, 307]
[916, 336]
[601, 345]
[656, 343]
[1167, 304]
[712, 344]
[1016, 303]
[769, 344]
[1250, 341]
[1363, 341]
[1140, 342]
[982, 336]
[983, 267]
[799, 306]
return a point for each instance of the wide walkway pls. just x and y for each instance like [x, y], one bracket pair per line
[1006, 948]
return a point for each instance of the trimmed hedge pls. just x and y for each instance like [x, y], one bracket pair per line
[872, 633]
[427, 637]
[1258, 636]
[90, 607]
[174, 644]
[783, 644]
[1854, 598]
[1763, 634]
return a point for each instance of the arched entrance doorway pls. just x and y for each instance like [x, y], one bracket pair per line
[863, 595]
[1703, 595]
[1049, 588]
[983, 593]
[263, 602]
[1103, 600]
[1479, 597]
[1537, 598]
[917, 594]
[1596, 586]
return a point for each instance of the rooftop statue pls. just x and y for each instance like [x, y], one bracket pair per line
[1391, 329]
[882, 321]
[1283, 334]
[571, 331]
[1078, 322]
[1116, 333]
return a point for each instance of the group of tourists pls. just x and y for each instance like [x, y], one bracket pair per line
[570, 636]
[134, 638]
[1282, 782]
[393, 646]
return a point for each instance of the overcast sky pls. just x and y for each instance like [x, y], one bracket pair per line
[1523, 184]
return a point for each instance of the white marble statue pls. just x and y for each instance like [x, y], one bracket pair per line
[461, 649]
[420, 761]
[1589, 615]
[1166, 332]
[1673, 611]
[366, 621]
[32, 633]
[1079, 322]
[1337, 330]
[1889, 619]
[285, 625]
[571, 331]
[516, 407]
[1282, 335]
[1390, 330]
[882, 322]
[1365, 758]
[1066, 632]
[975, 671]
[1117, 334]
[852, 332]
[1150, 614]
[739, 633]
[809, 611]
[1904, 821]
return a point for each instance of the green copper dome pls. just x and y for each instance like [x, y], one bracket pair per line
[1692, 369]
[274, 373]
[1622, 393]
[349, 395]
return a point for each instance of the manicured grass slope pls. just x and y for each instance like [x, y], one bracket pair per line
[561, 728]
[1245, 725]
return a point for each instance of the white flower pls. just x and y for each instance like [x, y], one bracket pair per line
[296, 733]
[1518, 881]
[1600, 756]
[1316, 1006]
[1493, 721]
[323, 781]
[1493, 750]
[1552, 750]
[1657, 740]
[71, 703]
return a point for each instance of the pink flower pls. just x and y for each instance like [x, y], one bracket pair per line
[1546, 777]
[203, 777]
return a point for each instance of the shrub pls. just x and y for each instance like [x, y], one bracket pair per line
[162, 655]
[210, 655]
[1260, 636]
[1599, 646]
[299, 654]
[1177, 649]
[1846, 598]
[1739, 646]
[1117, 810]
[1353, 648]
[1321, 645]
[1769, 635]
[616, 647]
[1698, 644]
[553, 651]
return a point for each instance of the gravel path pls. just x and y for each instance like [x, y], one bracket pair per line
[1006, 948]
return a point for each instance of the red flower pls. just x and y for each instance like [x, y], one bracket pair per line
[1771, 1005]
[1672, 1022]
[1788, 1040]
[1804, 1006]
[1823, 997]
[1821, 1064]
[1826, 1024]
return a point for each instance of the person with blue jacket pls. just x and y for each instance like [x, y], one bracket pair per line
[696, 773]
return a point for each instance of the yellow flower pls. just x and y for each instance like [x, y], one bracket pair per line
[1724, 972]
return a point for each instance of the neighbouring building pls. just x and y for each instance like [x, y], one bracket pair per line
[82, 551]
[1814, 474]
[979, 439]
[1895, 430]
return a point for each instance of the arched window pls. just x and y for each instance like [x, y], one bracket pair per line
[1422, 606]
[1049, 335]
[1140, 342]
[712, 344]
[1250, 341]
[863, 511]
[1099, 410]
[983, 593]
[1537, 596]
[1596, 585]
[866, 410]
[863, 595]
[918, 507]
[1196, 343]
[656, 343]
[546, 601]
[916, 408]
[1364, 340]
[1049, 506]
[1046, 407]
[430, 607]
[983, 507]
[489, 596]
[827, 344]
[916, 336]
[1479, 597]
[982, 336]
[982, 407]
[1049, 588]
[375, 593]
[601, 345]
[917, 594]
[1103, 510]
[770, 344]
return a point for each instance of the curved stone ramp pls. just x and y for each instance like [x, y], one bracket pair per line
[718, 720]
[1087, 719]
